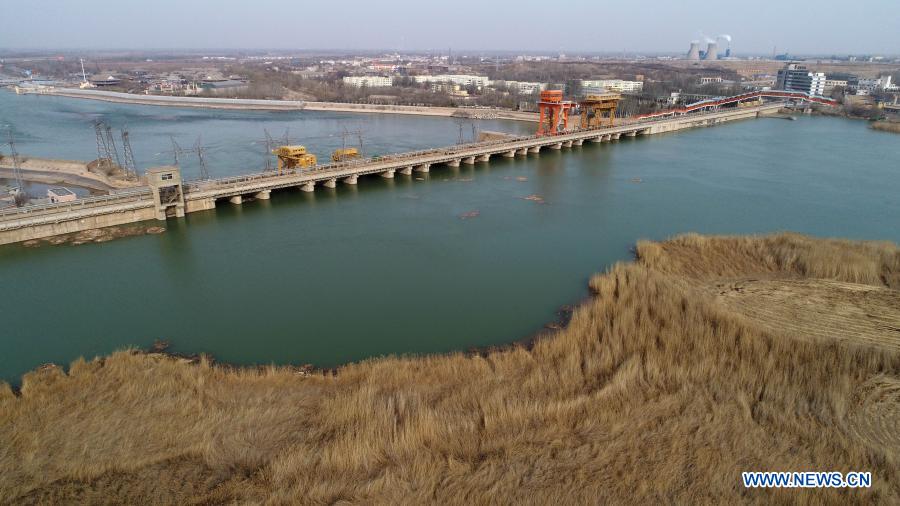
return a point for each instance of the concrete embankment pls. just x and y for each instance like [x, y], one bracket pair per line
[291, 105]
[62, 172]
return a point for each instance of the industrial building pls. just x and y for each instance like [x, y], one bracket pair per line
[60, 194]
[794, 77]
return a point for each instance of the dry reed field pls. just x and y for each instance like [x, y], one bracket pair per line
[705, 357]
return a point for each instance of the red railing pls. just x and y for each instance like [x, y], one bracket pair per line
[738, 98]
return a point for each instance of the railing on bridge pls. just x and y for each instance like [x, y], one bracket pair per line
[715, 103]
[411, 156]
[83, 203]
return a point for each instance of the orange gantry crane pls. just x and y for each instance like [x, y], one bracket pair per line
[599, 109]
[554, 111]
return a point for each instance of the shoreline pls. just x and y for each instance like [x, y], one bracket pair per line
[685, 336]
[287, 105]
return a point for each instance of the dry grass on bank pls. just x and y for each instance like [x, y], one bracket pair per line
[659, 390]
[887, 126]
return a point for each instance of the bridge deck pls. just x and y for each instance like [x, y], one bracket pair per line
[211, 190]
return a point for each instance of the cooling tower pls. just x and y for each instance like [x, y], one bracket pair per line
[694, 51]
[712, 51]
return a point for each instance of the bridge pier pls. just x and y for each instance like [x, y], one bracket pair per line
[614, 137]
[425, 167]
[631, 134]
[578, 142]
[598, 139]
[331, 183]
[350, 179]
[308, 187]
[406, 171]
[534, 149]
[263, 195]
[558, 145]
[522, 152]
[469, 160]
[567, 144]
[388, 174]
[237, 199]
[510, 154]
[483, 158]
[453, 163]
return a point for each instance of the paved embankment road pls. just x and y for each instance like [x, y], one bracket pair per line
[291, 105]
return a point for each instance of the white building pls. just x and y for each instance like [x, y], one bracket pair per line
[520, 87]
[795, 77]
[831, 84]
[458, 79]
[614, 85]
[368, 81]
[876, 85]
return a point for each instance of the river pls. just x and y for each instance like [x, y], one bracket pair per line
[455, 260]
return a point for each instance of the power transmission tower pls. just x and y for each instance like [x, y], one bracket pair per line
[176, 149]
[20, 197]
[359, 135]
[270, 146]
[201, 151]
[131, 170]
[104, 157]
[111, 143]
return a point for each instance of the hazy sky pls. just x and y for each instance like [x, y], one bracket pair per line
[824, 26]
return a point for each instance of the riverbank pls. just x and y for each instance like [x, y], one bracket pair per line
[886, 126]
[703, 358]
[288, 105]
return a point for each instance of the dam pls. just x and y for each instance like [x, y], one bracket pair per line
[167, 195]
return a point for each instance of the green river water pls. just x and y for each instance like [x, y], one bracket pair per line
[394, 266]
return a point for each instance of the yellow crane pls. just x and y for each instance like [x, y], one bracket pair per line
[292, 157]
[344, 154]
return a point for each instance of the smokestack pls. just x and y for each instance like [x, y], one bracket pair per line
[712, 51]
[694, 51]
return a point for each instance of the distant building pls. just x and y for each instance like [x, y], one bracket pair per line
[60, 194]
[106, 80]
[368, 81]
[794, 77]
[710, 80]
[521, 87]
[457, 79]
[224, 86]
[614, 85]
[831, 84]
[875, 85]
